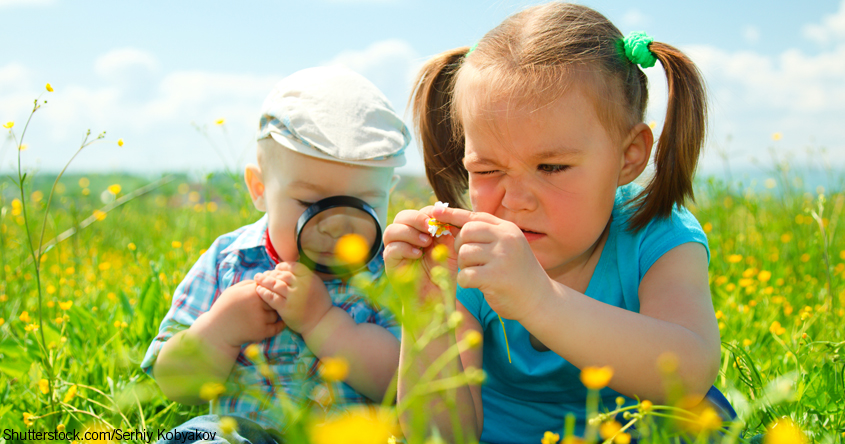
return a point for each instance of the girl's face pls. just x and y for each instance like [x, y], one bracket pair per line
[553, 171]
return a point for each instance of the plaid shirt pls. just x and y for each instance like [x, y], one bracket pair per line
[237, 256]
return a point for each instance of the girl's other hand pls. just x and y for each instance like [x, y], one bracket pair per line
[407, 243]
[494, 257]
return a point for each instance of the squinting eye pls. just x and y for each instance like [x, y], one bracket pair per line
[304, 204]
[552, 168]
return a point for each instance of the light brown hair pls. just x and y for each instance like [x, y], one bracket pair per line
[530, 57]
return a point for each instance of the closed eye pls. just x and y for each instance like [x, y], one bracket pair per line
[304, 203]
[551, 169]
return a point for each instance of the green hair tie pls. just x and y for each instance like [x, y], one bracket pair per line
[636, 49]
[471, 49]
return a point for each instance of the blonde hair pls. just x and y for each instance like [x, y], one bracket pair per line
[531, 57]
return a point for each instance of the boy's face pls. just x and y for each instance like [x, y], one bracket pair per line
[289, 182]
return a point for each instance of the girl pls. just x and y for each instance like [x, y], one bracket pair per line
[542, 123]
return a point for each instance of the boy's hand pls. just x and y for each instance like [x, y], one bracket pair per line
[407, 243]
[296, 293]
[239, 316]
[494, 257]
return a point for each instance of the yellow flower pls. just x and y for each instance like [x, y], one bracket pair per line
[23, 147]
[646, 405]
[719, 314]
[550, 438]
[114, 189]
[764, 276]
[708, 227]
[220, 122]
[440, 253]
[66, 305]
[777, 136]
[24, 316]
[785, 237]
[622, 438]
[31, 327]
[99, 215]
[609, 429]
[131, 246]
[351, 249]
[36, 196]
[334, 369]
[734, 258]
[252, 351]
[596, 378]
[784, 431]
[730, 287]
[44, 386]
[176, 244]
[360, 425]
[652, 124]
[805, 257]
[60, 427]
[212, 390]
[49, 87]
[9, 124]
[228, 425]
[84, 182]
[776, 328]
[473, 338]
[771, 183]
[28, 419]
[747, 342]
[119, 142]
[2, 321]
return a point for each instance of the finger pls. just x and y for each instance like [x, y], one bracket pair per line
[271, 298]
[417, 220]
[298, 269]
[475, 232]
[408, 234]
[396, 252]
[460, 217]
[470, 277]
[473, 254]
[283, 266]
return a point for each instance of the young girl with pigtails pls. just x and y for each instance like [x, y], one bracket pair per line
[541, 125]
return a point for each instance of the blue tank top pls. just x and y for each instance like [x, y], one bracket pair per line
[523, 399]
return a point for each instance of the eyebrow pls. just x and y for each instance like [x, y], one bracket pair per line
[319, 189]
[538, 157]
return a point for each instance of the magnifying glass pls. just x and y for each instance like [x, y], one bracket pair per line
[338, 235]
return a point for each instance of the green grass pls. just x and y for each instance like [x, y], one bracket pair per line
[777, 286]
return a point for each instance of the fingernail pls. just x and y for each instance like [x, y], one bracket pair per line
[417, 252]
[424, 237]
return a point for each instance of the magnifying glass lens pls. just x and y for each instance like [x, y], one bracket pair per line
[339, 239]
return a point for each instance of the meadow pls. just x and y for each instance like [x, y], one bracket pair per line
[74, 329]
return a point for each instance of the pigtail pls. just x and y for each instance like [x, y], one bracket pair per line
[680, 142]
[442, 144]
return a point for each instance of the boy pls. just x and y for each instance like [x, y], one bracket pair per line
[323, 132]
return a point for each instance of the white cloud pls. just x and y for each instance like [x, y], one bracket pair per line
[120, 62]
[832, 27]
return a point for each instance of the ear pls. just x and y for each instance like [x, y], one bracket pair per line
[636, 151]
[393, 182]
[255, 184]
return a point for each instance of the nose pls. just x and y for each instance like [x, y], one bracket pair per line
[335, 225]
[517, 196]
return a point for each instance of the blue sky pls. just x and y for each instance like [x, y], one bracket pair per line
[148, 71]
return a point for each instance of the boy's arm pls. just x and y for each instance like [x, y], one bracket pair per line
[371, 350]
[206, 352]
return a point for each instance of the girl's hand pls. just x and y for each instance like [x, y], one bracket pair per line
[298, 295]
[494, 257]
[407, 244]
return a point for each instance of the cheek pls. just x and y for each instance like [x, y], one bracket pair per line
[483, 195]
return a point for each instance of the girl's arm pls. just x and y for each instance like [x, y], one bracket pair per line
[676, 316]
[467, 398]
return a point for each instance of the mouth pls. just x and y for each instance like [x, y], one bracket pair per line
[532, 235]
